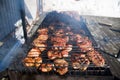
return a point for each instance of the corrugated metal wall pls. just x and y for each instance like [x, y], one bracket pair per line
[9, 15]
[11, 30]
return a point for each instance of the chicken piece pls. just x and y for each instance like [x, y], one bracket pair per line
[42, 37]
[59, 33]
[41, 46]
[64, 53]
[79, 38]
[72, 38]
[46, 67]
[53, 54]
[62, 71]
[37, 41]
[61, 66]
[38, 61]
[76, 65]
[68, 48]
[43, 31]
[79, 61]
[96, 58]
[64, 39]
[58, 46]
[34, 52]
[85, 46]
[29, 62]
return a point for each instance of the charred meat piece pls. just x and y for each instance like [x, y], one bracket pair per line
[34, 52]
[64, 53]
[41, 46]
[59, 33]
[68, 47]
[63, 39]
[29, 62]
[38, 61]
[57, 54]
[79, 38]
[85, 46]
[34, 61]
[37, 41]
[58, 46]
[61, 66]
[80, 61]
[53, 54]
[42, 37]
[96, 58]
[59, 43]
[46, 67]
[43, 31]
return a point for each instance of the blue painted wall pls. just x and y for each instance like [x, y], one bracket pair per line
[10, 23]
[9, 15]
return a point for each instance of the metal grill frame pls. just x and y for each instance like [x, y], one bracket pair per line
[91, 71]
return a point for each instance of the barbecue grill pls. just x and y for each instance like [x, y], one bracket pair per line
[17, 69]
[17, 66]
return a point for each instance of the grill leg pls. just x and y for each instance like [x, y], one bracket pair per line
[4, 75]
[14, 75]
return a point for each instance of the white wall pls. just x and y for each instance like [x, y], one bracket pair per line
[30, 9]
[110, 8]
[33, 8]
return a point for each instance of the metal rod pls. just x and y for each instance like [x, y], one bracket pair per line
[22, 12]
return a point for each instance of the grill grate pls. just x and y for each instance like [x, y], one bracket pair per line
[17, 64]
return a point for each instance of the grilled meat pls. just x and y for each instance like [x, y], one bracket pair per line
[85, 46]
[64, 39]
[64, 53]
[79, 38]
[46, 67]
[53, 54]
[59, 33]
[58, 46]
[80, 61]
[34, 52]
[41, 46]
[37, 41]
[29, 62]
[38, 61]
[96, 58]
[43, 31]
[43, 37]
[61, 66]
[68, 48]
